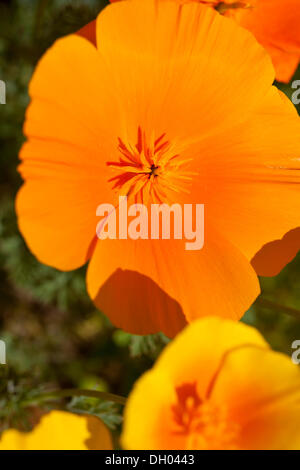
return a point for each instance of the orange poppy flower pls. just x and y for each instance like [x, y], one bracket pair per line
[59, 430]
[275, 24]
[164, 81]
[216, 386]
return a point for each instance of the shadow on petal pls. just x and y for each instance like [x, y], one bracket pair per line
[89, 32]
[274, 256]
[135, 303]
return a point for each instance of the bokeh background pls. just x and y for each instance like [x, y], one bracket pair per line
[55, 337]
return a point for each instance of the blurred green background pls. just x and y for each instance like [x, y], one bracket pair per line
[54, 335]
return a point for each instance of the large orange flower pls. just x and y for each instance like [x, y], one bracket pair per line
[275, 24]
[216, 386]
[173, 83]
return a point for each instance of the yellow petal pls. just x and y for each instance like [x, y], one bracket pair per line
[60, 430]
[193, 357]
[261, 389]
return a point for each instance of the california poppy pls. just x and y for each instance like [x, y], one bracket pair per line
[60, 430]
[173, 83]
[217, 386]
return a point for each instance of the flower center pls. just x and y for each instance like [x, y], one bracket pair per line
[153, 170]
[204, 424]
[150, 170]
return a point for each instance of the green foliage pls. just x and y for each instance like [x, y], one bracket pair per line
[15, 391]
[109, 412]
[150, 345]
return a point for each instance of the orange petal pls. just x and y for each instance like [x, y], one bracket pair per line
[275, 22]
[199, 281]
[249, 178]
[285, 63]
[275, 25]
[58, 221]
[72, 100]
[181, 69]
[63, 161]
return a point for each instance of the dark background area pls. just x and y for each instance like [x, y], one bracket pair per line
[54, 335]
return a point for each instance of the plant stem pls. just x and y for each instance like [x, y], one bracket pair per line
[39, 16]
[75, 392]
[269, 304]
